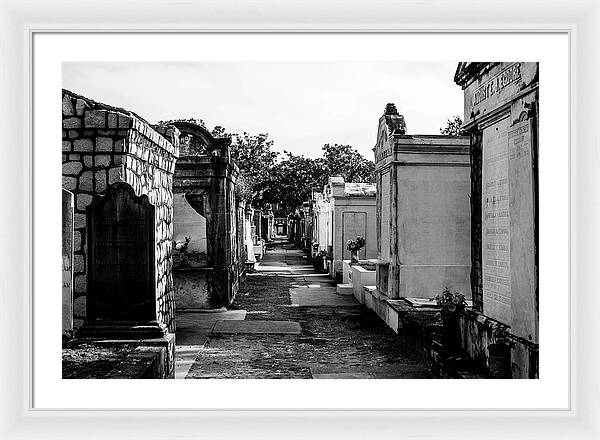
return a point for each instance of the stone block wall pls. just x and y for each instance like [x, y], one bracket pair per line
[103, 145]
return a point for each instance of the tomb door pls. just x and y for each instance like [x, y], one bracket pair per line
[121, 281]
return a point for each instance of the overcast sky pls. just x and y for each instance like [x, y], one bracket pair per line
[302, 105]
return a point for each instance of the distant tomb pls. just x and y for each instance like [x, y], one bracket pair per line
[344, 211]
[121, 285]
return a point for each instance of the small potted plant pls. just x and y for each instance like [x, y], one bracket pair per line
[499, 353]
[354, 246]
[451, 305]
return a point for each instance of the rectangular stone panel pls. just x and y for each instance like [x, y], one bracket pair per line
[522, 232]
[67, 262]
[354, 225]
[496, 227]
[386, 204]
[121, 282]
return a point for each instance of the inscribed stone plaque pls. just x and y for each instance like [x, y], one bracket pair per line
[522, 236]
[496, 224]
[121, 283]
[67, 262]
[386, 205]
[354, 224]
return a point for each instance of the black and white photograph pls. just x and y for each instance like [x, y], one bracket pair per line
[300, 220]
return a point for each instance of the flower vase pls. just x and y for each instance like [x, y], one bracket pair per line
[353, 257]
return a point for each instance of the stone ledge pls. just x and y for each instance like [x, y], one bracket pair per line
[142, 363]
[144, 358]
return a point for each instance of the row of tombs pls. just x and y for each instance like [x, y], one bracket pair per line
[447, 213]
[151, 225]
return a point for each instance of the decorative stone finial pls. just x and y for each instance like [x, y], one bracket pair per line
[390, 109]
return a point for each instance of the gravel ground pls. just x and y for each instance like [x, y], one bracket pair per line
[89, 361]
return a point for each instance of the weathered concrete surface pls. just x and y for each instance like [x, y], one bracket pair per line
[324, 296]
[193, 330]
[336, 340]
[406, 372]
[119, 359]
[258, 327]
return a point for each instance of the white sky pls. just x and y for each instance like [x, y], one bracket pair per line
[302, 105]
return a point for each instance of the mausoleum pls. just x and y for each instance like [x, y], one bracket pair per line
[423, 222]
[205, 267]
[119, 170]
[501, 116]
[352, 213]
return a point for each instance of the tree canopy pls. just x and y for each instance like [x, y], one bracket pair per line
[267, 176]
[292, 179]
[345, 161]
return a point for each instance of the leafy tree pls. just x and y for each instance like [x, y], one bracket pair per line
[220, 132]
[345, 161]
[453, 126]
[267, 177]
[253, 155]
[291, 180]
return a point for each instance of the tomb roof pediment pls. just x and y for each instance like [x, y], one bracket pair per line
[466, 72]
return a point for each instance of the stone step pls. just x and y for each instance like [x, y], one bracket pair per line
[345, 289]
[257, 327]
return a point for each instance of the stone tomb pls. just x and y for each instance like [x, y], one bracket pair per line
[121, 284]
[352, 212]
[423, 224]
[502, 115]
[205, 269]
[67, 263]
[102, 145]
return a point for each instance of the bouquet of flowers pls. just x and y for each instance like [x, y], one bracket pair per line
[356, 245]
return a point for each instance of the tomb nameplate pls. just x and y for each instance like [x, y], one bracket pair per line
[121, 285]
[496, 224]
[522, 227]
[67, 262]
[354, 224]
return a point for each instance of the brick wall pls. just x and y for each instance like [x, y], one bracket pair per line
[103, 145]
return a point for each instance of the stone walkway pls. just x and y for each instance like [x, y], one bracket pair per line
[288, 322]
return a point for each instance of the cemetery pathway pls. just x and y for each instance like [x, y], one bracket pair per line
[288, 322]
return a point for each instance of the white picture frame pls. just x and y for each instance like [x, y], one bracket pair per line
[18, 23]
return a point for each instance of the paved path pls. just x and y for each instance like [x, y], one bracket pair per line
[288, 322]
